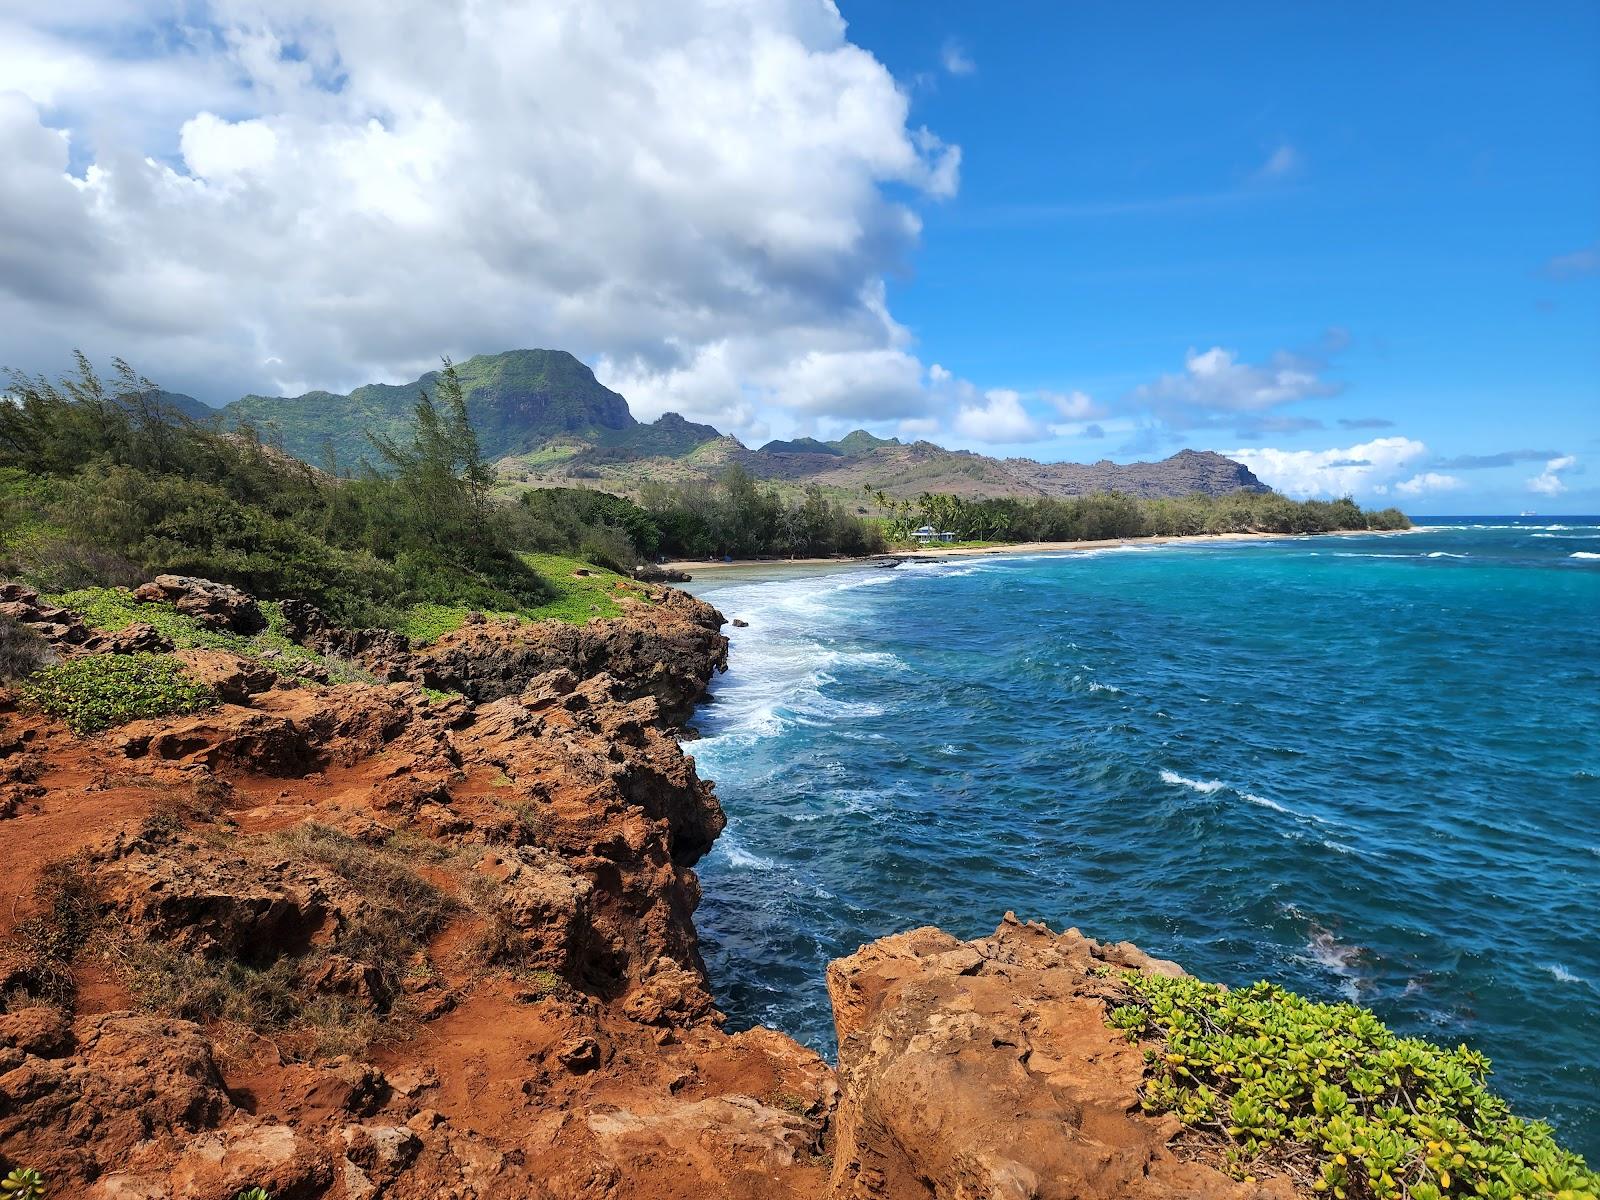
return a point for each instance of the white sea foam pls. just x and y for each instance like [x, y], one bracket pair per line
[944, 570]
[1330, 952]
[1129, 549]
[1562, 975]
[1446, 554]
[1095, 686]
[1263, 802]
[1203, 786]
[812, 703]
[1338, 957]
[741, 858]
[1443, 527]
[1582, 554]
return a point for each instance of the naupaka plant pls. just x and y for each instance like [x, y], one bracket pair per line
[1327, 1089]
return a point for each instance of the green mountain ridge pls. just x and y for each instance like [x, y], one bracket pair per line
[804, 445]
[517, 402]
[545, 419]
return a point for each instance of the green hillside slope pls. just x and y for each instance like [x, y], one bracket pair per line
[516, 400]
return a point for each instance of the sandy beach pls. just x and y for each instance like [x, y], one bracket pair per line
[693, 566]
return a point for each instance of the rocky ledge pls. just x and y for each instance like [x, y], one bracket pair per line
[364, 940]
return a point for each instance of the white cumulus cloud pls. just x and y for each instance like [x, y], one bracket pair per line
[1428, 481]
[1370, 468]
[1000, 418]
[1548, 482]
[1075, 405]
[703, 198]
[1216, 381]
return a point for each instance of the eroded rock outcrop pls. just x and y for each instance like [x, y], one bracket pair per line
[64, 632]
[986, 1069]
[215, 605]
[669, 654]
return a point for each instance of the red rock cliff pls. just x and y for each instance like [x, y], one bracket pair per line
[354, 942]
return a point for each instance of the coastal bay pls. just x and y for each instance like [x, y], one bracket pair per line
[997, 548]
[1340, 763]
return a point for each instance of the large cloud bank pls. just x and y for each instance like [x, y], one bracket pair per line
[703, 197]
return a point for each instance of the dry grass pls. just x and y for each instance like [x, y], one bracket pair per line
[389, 912]
[22, 651]
[39, 962]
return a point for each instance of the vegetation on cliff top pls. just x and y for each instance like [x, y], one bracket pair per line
[580, 591]
[106, 484]
[1328, 1093]
[113, 609]
[99, 691]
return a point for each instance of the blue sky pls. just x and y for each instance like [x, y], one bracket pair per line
[1423, 177]
[1357, 246]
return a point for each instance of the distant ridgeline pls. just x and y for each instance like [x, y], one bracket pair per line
[544, 419]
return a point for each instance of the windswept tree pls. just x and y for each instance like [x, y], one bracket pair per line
[441, 470]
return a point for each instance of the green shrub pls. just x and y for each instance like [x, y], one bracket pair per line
[103, 690]
[22, 1184]
[113, 609]
[1284, 1079]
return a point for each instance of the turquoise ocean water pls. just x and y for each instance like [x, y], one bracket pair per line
[1363, 767]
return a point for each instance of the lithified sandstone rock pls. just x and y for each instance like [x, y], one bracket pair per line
[986, 1069]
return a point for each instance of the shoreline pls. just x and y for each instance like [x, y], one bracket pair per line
[693, 565]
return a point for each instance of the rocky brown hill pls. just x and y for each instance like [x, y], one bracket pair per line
[384, 939]
[909, 470]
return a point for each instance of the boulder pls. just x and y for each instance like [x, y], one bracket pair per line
[543, 909]
[986, 1068]
[204, 900]
[230, 676]
[215, 605]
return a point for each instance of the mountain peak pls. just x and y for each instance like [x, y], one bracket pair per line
[859, 441]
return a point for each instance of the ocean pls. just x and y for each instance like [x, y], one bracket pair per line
[1362, 767]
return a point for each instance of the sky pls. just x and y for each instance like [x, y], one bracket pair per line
[1355, 246]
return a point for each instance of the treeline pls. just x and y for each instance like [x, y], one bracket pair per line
[106, 484]
[733, 517]
[729, 516]
[1109, 515]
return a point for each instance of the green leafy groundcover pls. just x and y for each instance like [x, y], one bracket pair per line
[110, 610]
[101, 690]
[1327, 1088]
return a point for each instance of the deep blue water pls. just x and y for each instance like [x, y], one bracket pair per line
[1362, 766]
